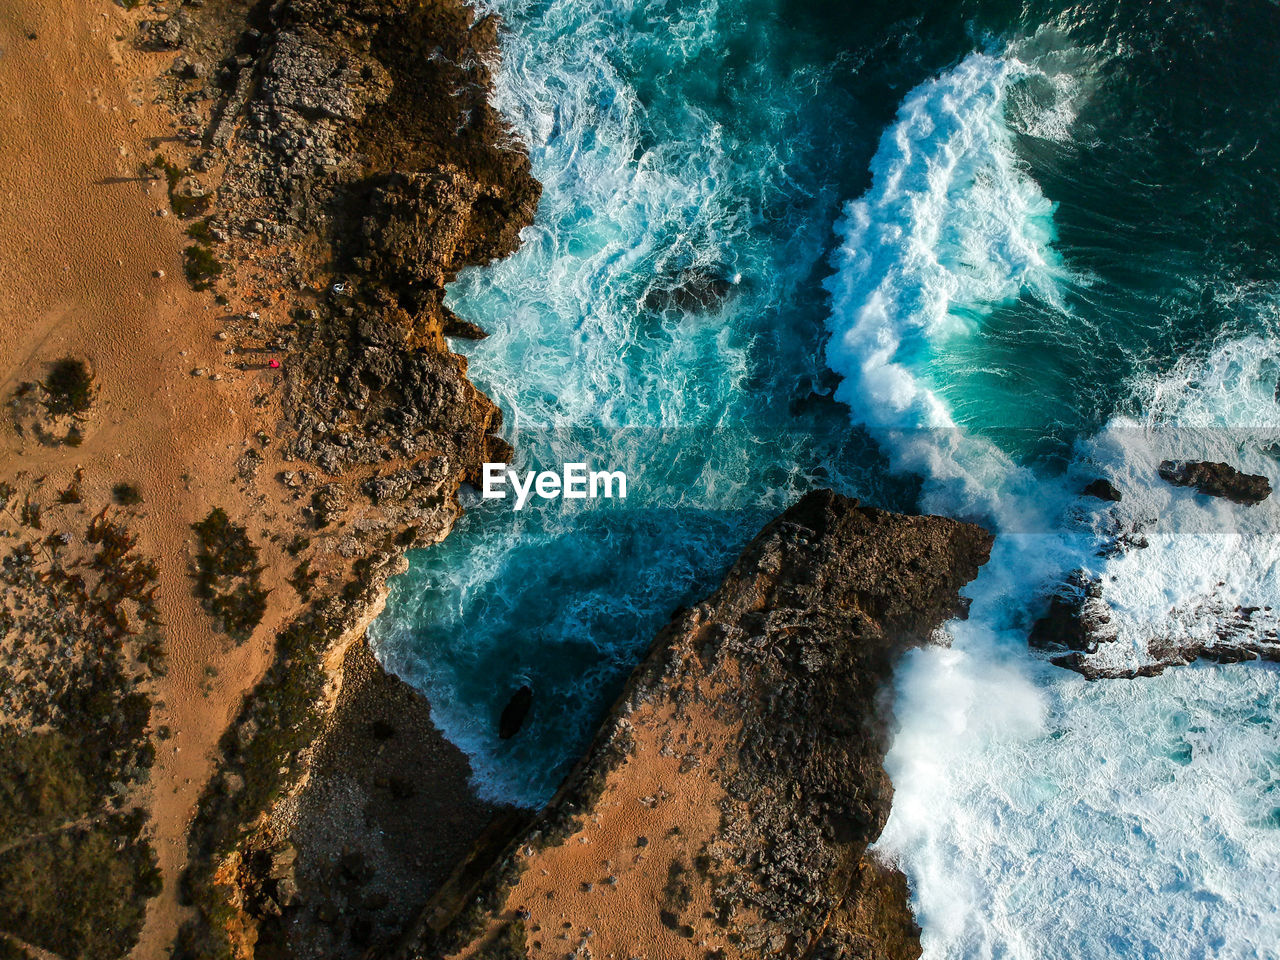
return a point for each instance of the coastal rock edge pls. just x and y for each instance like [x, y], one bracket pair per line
[726, 807]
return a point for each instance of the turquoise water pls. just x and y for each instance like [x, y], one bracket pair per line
[657, 176]
[961, 257]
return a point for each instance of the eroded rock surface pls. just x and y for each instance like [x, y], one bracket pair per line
[1216, 480]
[726, 808]
[1077, 634]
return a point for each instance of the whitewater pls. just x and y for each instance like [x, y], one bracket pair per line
[979, 372]
[1038, 814]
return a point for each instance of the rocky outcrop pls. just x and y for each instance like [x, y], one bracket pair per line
[1103, 489]
[1077, 634]
[339, 162]
[1077, 619]
[1076, 631]
[1216, 480]
[726, 807]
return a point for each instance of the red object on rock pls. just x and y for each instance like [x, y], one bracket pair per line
[274, 364]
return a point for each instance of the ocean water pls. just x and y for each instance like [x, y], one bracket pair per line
[962, 257]
[665, 316]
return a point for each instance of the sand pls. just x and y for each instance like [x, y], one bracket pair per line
[89, 267]
[606, 886]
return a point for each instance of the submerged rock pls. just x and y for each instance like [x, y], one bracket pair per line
[1077, 632]
[726, 807]
[1216, 480]
[693, 291]
[514, 713]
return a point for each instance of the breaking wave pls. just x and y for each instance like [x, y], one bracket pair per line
[1037, 814]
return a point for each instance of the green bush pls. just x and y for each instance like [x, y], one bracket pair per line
[199, 231]
[227, 575]
[201, 266]
[40, 784]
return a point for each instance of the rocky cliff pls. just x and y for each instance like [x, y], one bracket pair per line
[726, 807]
[339, 162]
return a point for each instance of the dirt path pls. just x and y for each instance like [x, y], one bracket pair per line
[89, 267]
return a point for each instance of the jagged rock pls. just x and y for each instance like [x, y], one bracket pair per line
[164, 34]
[328, 503]
[455, 326]
[1077, 618]
[187, 69]
[287, 894]
[319, 77]
[1103, 489]
[1216, 480]
[776, 686]
[283, 862]
[1240, 634]
[422, 226]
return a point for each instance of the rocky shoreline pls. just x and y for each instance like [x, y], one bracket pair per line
[1076, 632]
[726, 807]
[342, 164]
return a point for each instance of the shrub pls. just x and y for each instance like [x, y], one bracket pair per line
[227, 575]
[126, 494]
[199, 231]
[304, 579]
[31, 514]
[69, 386]
[201, 266]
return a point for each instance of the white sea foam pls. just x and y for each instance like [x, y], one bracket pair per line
[951, 221]
[1036, 814]
[1061, 818]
